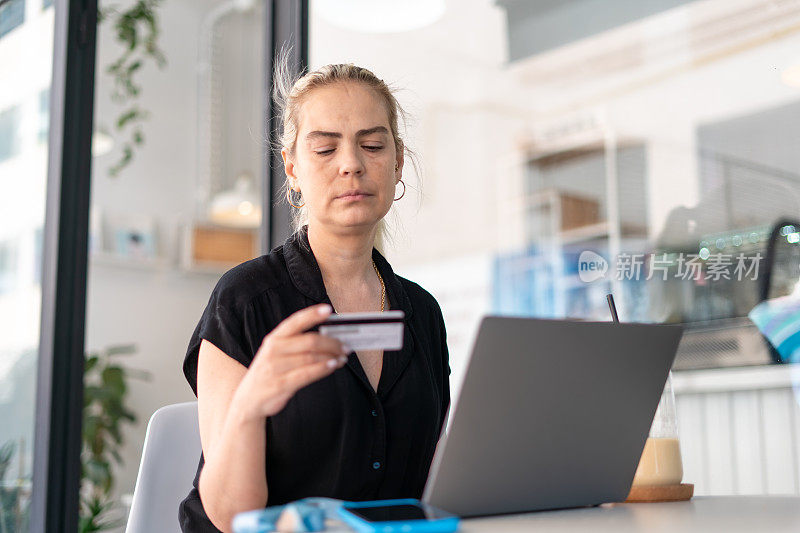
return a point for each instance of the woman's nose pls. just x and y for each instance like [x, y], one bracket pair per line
[350, 162]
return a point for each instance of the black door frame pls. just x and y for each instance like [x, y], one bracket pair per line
[59, 396]
[287, 25]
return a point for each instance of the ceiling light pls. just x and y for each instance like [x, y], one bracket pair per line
[791, 76]
[380, 16]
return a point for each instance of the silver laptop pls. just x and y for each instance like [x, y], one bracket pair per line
[551, 414]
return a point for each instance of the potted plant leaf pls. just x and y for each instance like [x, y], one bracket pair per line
[105, 411]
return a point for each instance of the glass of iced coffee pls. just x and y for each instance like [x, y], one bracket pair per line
[661, 463]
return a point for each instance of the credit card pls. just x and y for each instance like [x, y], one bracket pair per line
[366, 331]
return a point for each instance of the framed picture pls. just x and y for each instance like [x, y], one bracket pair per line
[133, 236]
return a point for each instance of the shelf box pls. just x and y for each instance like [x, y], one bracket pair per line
[556, 211]
[217, 246]
[577, 211]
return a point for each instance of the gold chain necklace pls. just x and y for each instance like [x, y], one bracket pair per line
[383, 287]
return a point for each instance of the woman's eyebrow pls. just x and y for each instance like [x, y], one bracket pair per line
[337, 135]
[376, 129]
[315, 134]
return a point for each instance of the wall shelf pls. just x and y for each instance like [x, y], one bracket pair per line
[118, 260]
[153, 264]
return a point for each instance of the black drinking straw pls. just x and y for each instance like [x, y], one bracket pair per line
[613, 308]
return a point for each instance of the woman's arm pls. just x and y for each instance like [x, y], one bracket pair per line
[232, 479]
[234, 402]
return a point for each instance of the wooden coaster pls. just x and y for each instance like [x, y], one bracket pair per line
[663, 493]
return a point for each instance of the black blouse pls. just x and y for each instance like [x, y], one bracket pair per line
[336, 437]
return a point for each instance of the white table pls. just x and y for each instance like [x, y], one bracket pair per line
[707, 514]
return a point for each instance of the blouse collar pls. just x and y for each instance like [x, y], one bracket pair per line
[307, 277]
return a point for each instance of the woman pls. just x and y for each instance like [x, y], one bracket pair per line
[286, 414]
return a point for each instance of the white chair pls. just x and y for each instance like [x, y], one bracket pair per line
[169, 463]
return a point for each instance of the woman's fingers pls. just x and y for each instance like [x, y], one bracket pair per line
[290, 357]
[308, 343]
[272, 383]
[304, 375]
[291, 362]
[302, 320]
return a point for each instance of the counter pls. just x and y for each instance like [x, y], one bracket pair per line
[740, 429]
[707, 514]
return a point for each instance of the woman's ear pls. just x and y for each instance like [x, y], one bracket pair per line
[399, 161]
[288, 168]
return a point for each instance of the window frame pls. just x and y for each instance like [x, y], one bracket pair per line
[59, 388]
[287, 26]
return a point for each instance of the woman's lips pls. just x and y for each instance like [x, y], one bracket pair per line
[354, 197]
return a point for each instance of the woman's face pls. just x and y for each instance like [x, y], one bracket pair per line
[344, 160]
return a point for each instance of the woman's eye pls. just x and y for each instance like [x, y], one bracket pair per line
[324, 152]
[373, 148]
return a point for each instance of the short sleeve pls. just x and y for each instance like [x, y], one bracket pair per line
[442, 336]
[445, 351]
[445, 365]
[224, 323]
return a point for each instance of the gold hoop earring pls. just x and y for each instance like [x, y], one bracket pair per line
[404, 190]
[289, 198]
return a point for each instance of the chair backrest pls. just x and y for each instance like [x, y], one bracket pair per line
[169, 463]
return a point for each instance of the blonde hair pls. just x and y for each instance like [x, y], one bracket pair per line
[289, 93]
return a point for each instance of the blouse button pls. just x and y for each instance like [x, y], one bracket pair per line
[376, 465]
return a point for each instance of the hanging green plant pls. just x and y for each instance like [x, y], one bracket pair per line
[136, 29]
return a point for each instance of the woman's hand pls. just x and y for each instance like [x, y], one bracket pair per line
[288, 360]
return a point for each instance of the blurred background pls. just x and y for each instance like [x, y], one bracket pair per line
[655, 141]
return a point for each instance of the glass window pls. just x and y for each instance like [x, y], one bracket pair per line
[648, 150]
[44, 115]
[12, 14]
[9, 133]
[26, 65]
[8, 265]
[624, 137]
